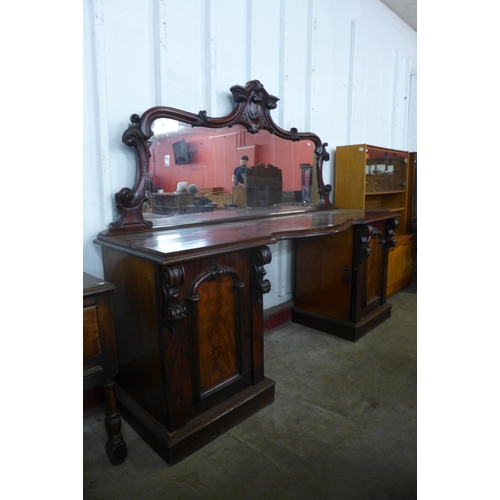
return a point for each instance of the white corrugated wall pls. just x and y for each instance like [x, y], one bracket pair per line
[340, 69]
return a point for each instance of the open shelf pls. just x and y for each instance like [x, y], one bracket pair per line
[374, 193]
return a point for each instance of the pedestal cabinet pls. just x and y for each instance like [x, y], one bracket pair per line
[190, 345]
[99, 357]
[340, 280]
[375, 178]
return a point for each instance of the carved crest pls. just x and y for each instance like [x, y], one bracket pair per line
[255, 103]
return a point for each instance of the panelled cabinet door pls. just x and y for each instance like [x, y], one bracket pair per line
[209, 329]
[219, 335]
[371, 246]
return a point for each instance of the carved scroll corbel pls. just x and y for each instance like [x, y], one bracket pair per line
[261, 257]
[173, 311]
[388, 241]
[365, 235]
[390, 226]
[367, 232]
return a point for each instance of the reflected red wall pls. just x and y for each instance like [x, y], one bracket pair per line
[216, 153]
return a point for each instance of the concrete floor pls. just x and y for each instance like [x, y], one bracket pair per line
[343, 426]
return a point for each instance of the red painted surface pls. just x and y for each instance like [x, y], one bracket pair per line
[216, 153]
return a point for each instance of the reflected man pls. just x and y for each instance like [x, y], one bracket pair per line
[238, 171]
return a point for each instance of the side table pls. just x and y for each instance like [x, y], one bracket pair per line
[99, 356]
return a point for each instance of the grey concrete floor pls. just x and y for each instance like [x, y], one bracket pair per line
[343, 426]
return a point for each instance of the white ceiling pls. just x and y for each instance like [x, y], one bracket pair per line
[405, 9]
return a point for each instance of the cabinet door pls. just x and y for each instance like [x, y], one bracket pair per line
[210, 333]
[370, 267]
[401, 265]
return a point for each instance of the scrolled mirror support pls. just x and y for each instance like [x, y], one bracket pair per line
[129, 201]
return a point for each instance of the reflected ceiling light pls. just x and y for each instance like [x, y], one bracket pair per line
[164, 126]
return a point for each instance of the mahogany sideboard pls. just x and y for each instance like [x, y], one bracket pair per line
[99, 357]
[188, 311]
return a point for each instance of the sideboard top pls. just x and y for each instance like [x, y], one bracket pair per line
[171, 245]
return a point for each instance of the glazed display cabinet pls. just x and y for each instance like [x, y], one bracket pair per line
[375, 178]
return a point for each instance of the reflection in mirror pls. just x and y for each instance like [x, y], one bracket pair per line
[278, 170]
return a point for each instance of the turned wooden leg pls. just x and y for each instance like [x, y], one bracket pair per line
[116, 449]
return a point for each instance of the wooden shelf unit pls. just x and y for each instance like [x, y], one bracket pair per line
[375, 178]
[355, 182]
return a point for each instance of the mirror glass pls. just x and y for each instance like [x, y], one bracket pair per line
[277, 170]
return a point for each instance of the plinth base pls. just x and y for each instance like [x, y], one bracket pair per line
[177, 445]
[343, 329]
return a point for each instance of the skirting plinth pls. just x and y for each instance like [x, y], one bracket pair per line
[177, 445]
[343, 329]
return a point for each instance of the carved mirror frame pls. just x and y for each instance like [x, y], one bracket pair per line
[252, 106]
